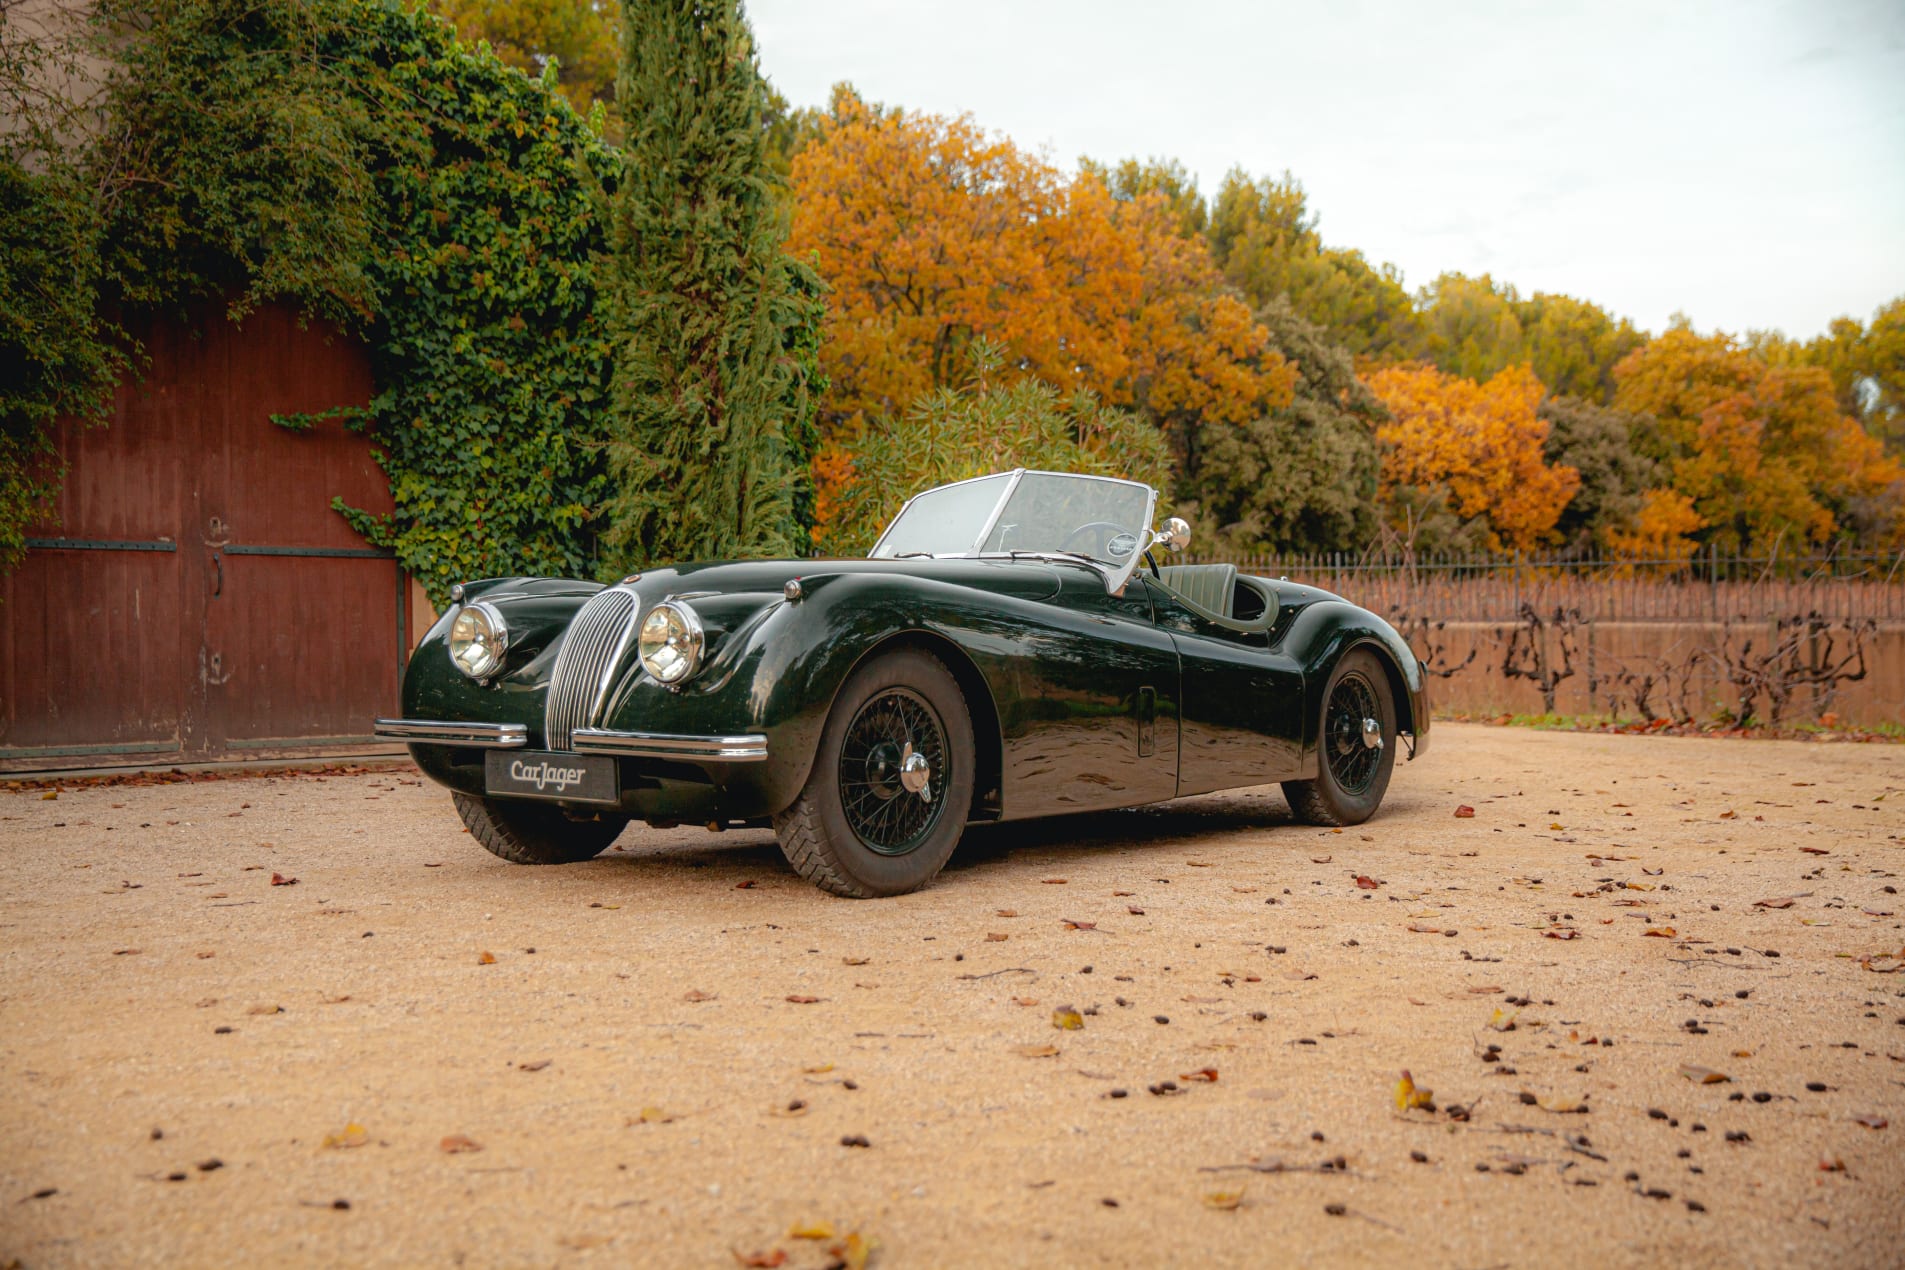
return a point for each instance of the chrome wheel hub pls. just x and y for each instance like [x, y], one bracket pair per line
[916, 774]
[1372, 734]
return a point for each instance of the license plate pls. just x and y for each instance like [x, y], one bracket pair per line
[570, 778]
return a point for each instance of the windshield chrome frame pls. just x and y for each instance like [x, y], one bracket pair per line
[1115, 578]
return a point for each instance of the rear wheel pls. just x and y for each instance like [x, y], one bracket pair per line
[886, 801]
[1356, 746]
[531, 833]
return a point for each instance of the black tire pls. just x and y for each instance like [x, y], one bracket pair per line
[531, 833]
[1349, 783]
[855, 830]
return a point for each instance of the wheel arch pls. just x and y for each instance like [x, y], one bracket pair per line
[1399, 693]
[987, 739]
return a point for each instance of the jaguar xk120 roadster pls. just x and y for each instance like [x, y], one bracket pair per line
[1011, 648]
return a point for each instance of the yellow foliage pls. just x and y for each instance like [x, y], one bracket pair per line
[1663, 529]
[1761, 454]
[1479, 441]
[933, 233]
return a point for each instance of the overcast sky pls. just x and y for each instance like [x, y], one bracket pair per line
[1740, 160]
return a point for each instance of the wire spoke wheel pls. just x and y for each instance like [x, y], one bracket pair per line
[1346, 733]
[894, 772]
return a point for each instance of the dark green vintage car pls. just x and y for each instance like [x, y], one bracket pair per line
[1010, 649]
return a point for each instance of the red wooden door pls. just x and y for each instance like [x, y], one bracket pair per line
[195, 593]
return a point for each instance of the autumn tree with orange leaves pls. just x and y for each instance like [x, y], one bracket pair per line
[1475, 446]
[1762, 454]
[933, 233]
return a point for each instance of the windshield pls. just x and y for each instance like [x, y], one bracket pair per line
[1104, 519]
[946, 521]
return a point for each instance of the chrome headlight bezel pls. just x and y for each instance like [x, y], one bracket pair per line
[492, 646]
[680, 634]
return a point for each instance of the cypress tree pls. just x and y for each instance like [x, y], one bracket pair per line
[701, 447]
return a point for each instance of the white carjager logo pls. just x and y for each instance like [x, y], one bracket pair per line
[542, 775]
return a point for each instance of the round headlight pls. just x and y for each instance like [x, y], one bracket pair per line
[670, 643]
[478, 640]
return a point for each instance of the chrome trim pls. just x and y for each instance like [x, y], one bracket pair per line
[591, 650]
[998, 510]
[501, 736]
[751, 748]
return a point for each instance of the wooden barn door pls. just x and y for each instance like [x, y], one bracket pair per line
[197, 595]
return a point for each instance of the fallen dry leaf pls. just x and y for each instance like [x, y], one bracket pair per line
[1408, 1097]
[1207, 1075]
[459, 1144]
[1134, 910]
[652, 1115]
[1784, 901]
[486, 958]
[351, 1135]
[853, 1251]
[1366, 882]
[265, 1009]
[801, 999]
[769, 1260]
[1815, 851]
[1563, 932]
[1067, 1019]
[1024, 1000]
[1069, 924]
[855, 961]
[811, 1230]
[1703, 1075]
[1663, 932]
[1007, 912]
[1054, 881]
[534, 1065]
[996, 937]
[1870, 1121]
[696, 994]
[1465, 812]
[1321, 859]
[1035, 1051]
[279, 879]
[1223, 1201]
[1425, 930]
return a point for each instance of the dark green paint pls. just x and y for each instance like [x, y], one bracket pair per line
[1065, 683]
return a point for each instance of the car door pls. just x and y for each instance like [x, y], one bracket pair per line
[1093, 722]
[1240, 702]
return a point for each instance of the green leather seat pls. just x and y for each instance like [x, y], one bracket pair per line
[1212, 587]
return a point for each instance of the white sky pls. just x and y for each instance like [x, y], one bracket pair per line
[1741, 160]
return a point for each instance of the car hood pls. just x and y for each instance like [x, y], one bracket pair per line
[1021, 579]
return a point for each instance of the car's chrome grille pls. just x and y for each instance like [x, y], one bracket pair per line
[599, 632]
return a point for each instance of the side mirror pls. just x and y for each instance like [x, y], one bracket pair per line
[1174, 536]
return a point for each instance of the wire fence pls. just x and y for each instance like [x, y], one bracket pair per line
[1708, 587]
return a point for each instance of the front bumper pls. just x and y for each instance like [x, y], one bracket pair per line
[663, 776]
[503, 736]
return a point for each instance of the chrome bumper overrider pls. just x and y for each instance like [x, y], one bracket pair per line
[751, 748]
[502, 736]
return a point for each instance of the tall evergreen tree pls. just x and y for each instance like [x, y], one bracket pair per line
[701, 444]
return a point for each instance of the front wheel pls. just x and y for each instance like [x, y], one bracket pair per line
[530, 833]
[886, 801]
[1356, 746]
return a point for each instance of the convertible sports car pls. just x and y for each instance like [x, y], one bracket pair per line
[1009, 649]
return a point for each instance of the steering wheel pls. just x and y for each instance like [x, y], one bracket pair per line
[1096, 524]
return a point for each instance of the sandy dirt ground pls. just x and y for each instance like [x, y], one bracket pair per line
[673, 1046]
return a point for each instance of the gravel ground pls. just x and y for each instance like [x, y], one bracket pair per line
[661, 1056]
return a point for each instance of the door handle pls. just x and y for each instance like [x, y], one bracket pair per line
[218, 586]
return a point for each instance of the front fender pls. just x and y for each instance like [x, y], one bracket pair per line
[1326, 630]
[778, 669]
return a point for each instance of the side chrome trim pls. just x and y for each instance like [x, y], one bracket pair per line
[751, 748]
[501, 736]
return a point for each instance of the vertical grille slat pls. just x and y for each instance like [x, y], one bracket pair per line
[594, 637]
